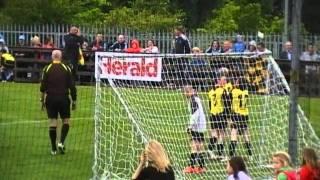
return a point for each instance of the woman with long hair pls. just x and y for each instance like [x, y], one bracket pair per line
[236, 169]
[154, 163]
[310, 169]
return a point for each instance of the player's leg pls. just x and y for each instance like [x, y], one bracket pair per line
[201, 154]
[213, 136]
[65, 116]
[233, 136]
[193, 155]
[246, 137]
[52, 112]
[221, 135]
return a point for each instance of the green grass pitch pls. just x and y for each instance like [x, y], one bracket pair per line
[25, 148]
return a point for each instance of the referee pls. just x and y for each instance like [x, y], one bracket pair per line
[57, 82]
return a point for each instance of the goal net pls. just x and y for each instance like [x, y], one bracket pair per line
[139, 97]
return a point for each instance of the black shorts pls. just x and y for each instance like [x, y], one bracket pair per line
[197, 136]
[218, 121]
[58, 105]
[240, 123]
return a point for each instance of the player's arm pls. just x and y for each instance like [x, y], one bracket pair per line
[43, 87]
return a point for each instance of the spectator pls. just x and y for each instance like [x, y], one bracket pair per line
[154, 163]
[227, 46]
[134, 47]
[310, 169]
[6, 65]
[197, 60]
[35, 42]
[237, 170]
[151, 48]
[48, 44]
[214, 48]
[22, 40]
[287, 53]
[181, 43]
[97, 44]
[239, 45]
[252, 47]
[261, 49]
[281, 165]
[71, 53]
[310, 54]
[120, 45]
[3, 45]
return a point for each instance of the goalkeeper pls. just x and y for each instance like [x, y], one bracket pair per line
[240, 117]
[56, 83]
[196, 128]
[219, 103]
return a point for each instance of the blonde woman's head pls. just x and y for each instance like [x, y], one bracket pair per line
[157, 156]
[280, 159]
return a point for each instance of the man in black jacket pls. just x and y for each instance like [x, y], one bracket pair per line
[71, 55]
[181, 42]
[120, 45]
[287, 53]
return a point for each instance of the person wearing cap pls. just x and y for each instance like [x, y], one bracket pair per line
[22, 41]
[252, 47]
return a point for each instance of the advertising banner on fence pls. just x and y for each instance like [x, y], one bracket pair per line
[140, 67]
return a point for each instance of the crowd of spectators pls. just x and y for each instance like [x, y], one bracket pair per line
[181, 45]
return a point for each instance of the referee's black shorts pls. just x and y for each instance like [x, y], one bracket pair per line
[197, 136]
[58, 105]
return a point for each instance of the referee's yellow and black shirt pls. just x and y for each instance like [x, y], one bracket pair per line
[57, 80]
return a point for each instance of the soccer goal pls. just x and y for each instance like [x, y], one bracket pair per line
[139, 97]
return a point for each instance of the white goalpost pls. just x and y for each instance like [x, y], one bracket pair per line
[139, 97]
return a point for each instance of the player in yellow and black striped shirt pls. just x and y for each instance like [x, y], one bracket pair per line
[220, 106]
[240, 116]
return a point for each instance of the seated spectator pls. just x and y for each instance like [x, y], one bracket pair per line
[151, 48]
[239, 45]
[3, 45]
[261, 49]
[97, 44]
[227, 47]
[214, 48]
[252, 47]
[310, 54]
[6, 66]
[154, 163]
[134, 47]
[281, 165]
[48, 44]
[197, 60]
[35, 42]
[120, 45]
[310, 169]
[237, 170]
[287, 53]
[22, 41]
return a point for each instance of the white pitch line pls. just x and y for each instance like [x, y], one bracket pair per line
[39, 121]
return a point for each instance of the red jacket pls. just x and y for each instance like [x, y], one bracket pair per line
[308, 173]
[134, 48]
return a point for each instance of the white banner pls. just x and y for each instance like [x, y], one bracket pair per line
[128, 66]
